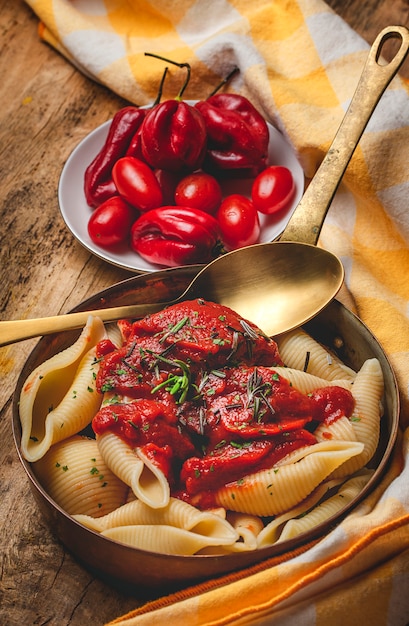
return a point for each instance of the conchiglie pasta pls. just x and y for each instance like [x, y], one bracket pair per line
[76, 476]
[307, 516]
[367, 392]
[146, 480]
[163, 539]
[114, 334]
[341, 429]
[114, 487]
[344, 496]
[248, 528]
[271, 532]
[59, 398]
[306, 382]
[177, 513]
[301, 351]
[273, 491]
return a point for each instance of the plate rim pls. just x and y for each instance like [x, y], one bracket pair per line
[114, 257]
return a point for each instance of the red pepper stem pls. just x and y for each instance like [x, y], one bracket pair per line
[224, 81]
[160, 90]
[181, 65]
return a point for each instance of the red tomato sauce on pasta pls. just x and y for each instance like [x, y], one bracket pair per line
[202, 400]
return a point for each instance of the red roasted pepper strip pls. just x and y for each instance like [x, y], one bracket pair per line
[238, 135]
[173, 236]
[173, 137]
[122, 139]
[230, 462]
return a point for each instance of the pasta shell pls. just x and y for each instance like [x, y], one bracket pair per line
[146, 480]
[294, 348]
[75, 475]
[151, 486]
[306, 521]
[163, 539]
[59, 397]
[366, 419]
[306, 382]
[177, 513]
[271, 532]
[273, 491]
[248, 527]
[114, 334]
[341, 429]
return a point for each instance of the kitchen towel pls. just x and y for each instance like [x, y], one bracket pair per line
[299, 64]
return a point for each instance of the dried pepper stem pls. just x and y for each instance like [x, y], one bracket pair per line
[181, 65]
[229, 76]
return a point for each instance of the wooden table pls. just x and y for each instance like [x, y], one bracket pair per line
[47, 107]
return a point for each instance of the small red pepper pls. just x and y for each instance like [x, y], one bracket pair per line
[173, 137]
[174, 236]
[122, 140]
[237, 135]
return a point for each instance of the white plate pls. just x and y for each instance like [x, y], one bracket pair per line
[76, 212]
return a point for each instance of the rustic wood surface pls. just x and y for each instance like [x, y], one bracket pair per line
[47, 107]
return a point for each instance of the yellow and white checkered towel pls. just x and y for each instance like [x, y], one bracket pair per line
[300, 64]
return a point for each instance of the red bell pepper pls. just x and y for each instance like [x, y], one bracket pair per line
[237, 135]
[173, 137]
[122, 139]
[174, 236]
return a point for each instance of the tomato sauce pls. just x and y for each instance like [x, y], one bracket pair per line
[203, 401]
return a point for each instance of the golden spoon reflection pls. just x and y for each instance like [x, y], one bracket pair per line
[257, 282]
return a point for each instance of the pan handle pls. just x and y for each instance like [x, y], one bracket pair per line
[307, 220]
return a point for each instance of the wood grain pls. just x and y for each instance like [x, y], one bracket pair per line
[47, 107]
[369, 17]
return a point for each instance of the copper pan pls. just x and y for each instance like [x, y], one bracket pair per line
[142, 572]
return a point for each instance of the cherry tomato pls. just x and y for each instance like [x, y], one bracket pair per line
[110, 223]
[273, 189]
[239, 222]
[137, 183]
[199, 191]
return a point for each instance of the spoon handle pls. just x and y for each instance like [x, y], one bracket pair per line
[306, 223]
[18, 330]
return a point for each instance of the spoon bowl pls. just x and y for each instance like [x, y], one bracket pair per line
[257, 282]
[278, 285]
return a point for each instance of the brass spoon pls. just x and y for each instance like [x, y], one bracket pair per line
[282, 284]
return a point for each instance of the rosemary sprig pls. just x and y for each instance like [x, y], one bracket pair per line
[174, 329]
[206, 376]
[257, 391]
[307, 360]
[248, 330]
[177, 385]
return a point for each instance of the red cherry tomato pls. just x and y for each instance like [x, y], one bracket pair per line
[239, 222]
[199, 191]
[273, 189]
[137, 183]
[110, 223]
